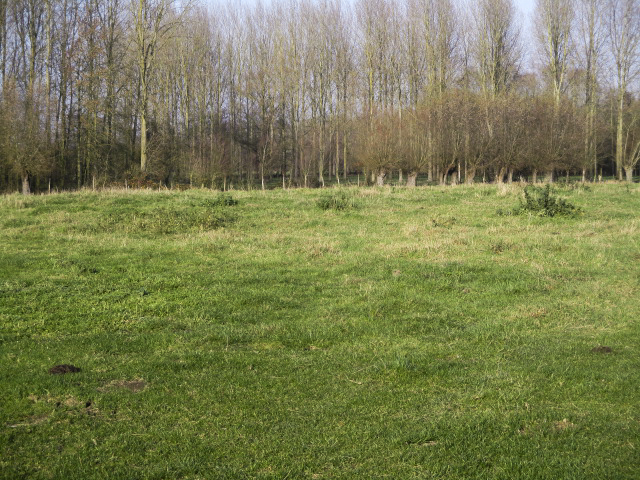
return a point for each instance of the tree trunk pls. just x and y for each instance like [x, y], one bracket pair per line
[500, 176]
[549, 176]
[380, 178]
[628, 171]
[143, 140]
[534, 176]
[411, 179]
[510, 176]
[619, 136]
[443, 175]
[344, 157]
[470, 175]
[26, 189]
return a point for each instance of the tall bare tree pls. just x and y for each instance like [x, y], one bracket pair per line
[554, 20]
[589, 44]
[553, 24]
[624, 40]
[150, 27]
[496, 45]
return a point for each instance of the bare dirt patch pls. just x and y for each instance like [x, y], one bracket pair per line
[64, 368]
[602, 349]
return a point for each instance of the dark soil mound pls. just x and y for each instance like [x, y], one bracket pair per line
[62, 369]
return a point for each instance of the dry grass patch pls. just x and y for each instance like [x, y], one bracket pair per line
[563, 425]
[135, 386]
[31, 421]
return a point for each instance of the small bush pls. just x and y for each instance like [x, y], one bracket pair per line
[540, 201]
[337, 201]
[221, 200]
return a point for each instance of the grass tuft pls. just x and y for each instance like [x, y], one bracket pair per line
[338, 201]
[164, 221]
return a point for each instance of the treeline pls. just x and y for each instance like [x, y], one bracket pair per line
[103, 92]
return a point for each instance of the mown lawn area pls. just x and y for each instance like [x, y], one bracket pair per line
[396, 333]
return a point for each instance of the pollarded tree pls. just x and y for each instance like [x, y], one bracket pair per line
[413, 153]
[447, 133]
[510, 112]
[477, 138]
[553, 134]
[377, 145]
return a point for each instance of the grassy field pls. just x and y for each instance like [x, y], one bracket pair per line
[412, 334]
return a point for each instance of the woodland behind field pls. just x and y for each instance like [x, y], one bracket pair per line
[156, 92]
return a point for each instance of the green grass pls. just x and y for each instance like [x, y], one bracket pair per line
[420, 335]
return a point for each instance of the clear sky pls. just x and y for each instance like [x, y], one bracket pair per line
[525, 6]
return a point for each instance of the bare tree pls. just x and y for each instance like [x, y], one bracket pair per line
[631, 139]
[590, 42]
[624, 39]
[440, 32]
[21, 135]
[151, 26]
[553, 23]
[496, 46]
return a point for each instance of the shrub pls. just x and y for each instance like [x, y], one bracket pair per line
[540, 201]
[221, 200]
